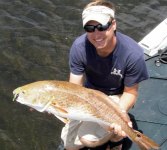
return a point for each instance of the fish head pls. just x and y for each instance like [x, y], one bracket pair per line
[32, 95]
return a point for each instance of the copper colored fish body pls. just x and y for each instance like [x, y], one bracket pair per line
[70, 101]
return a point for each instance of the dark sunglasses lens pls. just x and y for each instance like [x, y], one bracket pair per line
[99, 27]
[102, 27]
[89, 28]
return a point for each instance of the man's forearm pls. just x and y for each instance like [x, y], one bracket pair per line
[129, 97]
[77, 79]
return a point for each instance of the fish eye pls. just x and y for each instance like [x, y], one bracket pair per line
[23, 92]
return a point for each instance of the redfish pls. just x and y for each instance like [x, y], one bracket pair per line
[70, 101]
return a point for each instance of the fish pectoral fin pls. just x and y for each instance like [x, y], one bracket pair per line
[64, 120]
[61, 111]
[59, 108]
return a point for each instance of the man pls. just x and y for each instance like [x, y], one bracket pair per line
[105, 60]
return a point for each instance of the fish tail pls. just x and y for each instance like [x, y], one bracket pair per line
[145, 143]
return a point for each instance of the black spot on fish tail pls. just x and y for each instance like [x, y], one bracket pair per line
[138, 135]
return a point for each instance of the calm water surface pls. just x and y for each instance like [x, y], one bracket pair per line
[35, 37]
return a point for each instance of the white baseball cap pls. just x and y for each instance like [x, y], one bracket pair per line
[101, 14]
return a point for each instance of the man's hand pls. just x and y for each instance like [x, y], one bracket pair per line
[117, 128]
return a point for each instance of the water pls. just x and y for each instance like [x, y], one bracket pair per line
[35, 37]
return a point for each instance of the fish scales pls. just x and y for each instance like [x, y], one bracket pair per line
[71, 100]
[87, 95]
[85, 99]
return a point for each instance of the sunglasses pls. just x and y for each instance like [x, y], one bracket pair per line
[99, 27]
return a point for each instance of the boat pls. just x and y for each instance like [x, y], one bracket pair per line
[155, 42]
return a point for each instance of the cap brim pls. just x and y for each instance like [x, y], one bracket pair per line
[101, 18]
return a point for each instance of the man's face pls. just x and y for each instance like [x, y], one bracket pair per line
[102, 39]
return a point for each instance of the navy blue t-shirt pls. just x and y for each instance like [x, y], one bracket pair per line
[125, 66]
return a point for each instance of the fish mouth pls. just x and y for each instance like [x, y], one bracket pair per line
[17, 92]
[15, 97]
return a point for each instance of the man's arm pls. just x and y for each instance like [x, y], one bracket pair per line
[77, 79]
[127, 101]
[129, 97]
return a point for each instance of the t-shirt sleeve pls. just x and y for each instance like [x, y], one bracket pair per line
[136, 71]
[76, 59]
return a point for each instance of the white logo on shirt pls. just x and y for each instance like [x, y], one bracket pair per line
[117, 72]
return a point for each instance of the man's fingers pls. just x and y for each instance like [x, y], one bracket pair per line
[118, 130]
[130, 124]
